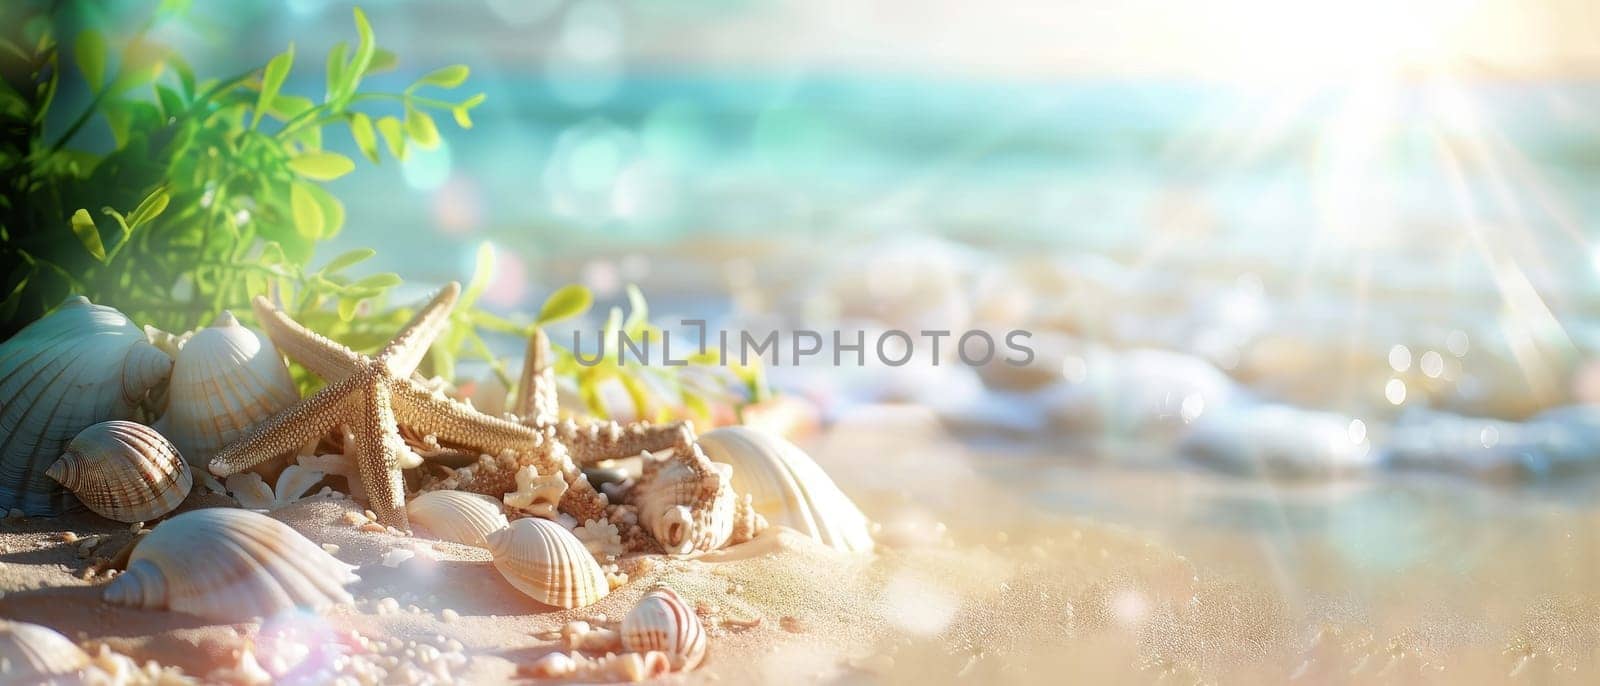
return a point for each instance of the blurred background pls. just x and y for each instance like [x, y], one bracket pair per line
[1316, 282]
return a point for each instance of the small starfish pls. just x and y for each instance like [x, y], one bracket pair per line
[373, 396]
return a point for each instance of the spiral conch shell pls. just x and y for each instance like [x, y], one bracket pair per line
[788, 487]
[685, 501]
[225, 380]
[457, 516]
[82, 365]
[662, 622]
[548, 563]
[33, 654]
[124, 471]
[229, 565]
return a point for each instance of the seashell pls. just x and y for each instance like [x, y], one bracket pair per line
[30, 653]
[788, 487]
[124, 471]
[457, 516]
[225, 380]
[684, 499]
[229, 565]
[81, 365]
[661, 621]
[549, 564]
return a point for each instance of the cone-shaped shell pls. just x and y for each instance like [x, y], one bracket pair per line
[229, 565]
[788, 487]
[226, 379]
[548, 563]
[124, 471]
[457, 516]
[33, 654]
[661, 621]
[82, 365]
[684, 500]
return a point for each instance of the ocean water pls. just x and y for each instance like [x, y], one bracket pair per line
[1419, 183]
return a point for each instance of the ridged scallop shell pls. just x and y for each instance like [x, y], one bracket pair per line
[788, 487]
[457, 516]
[81, 365]
[661, 621]
[124, 471]
[226, 379]
[548, 563]
[685, 501]
[229, 565]
[30, 654]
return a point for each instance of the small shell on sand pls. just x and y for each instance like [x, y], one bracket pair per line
[545, 561]
[124, 471]
[661, 621]
[230, 565]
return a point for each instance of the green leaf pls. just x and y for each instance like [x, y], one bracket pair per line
[348, 260]
[185, 75]
[366, 139]
[638, 312]
[393, 136]
[271, 80]
[460, 112]
[365, 47]
[567, 302]
[382, 61]
[308, 219]
[288, 106]
[445, 77]
[336, 72]
[332, 211]
[90, 52]
[88, 234]
[321, 165]
[377, 282]
[482, 272]
[151, 207]
[347, 307]
[171, 103]
[421, 128]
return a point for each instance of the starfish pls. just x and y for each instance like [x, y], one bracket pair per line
[372, 396]
[566, 446]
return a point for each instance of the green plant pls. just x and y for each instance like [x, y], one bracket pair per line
[224, 181]
[223, 177]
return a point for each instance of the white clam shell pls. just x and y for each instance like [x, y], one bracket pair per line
[548, 563]
[124, 471]
[662, 622]
[788, 487]
[30, 653]
[229, 565]
[225, 380]
[457, 516]
[81, 365]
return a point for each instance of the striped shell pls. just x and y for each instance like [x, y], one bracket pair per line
[684, 500]
[229, 565]
[225, 380]
[457, 516]
[124, 471]
[661, 621]
[548, 563]
[82, 365]
[788, 487]
[33, 654]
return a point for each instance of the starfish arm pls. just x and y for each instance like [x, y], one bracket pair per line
[447, 419]
[536, 390]
[405, 352]
[591, 442]
[289, 429]
[325, 358]
[377, 455]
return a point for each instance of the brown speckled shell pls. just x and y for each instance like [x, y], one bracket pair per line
[124, 471]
